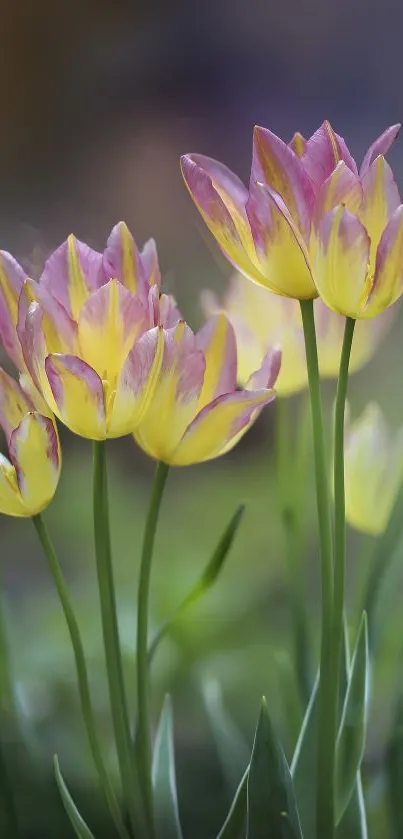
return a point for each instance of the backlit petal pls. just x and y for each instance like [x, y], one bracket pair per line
[217, 341]
[380, 200]
[221, 201]
[122, 260]
[71, 273]
[12, 279]
[267, 374]
[277, 165]
[14, 404]
[78, 395]
[219, 426]
[35, 453]
[388, 279]
[33, 343]
[11, 503]
[136, 383]
[176, 395]
[281, 251]
[323, 152]
[381, 145]
[110, 321]
[342, 252]
[341, 187]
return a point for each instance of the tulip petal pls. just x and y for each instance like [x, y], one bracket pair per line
[220, 199]
[380, 200]
[176, 395]
[280, 248]
[12, 278]
[323, 152]
[35, 453]
[11, 503]
[277, 165]
[33, 343]
[267, 374]
[217, 341]
[342, 253]
[14, 404]
[110, 321]
[298, 143]
[35, 398]
[381, 145]
[78, 395]
[388, 279]
[219, 426]
[136, 383]
[341, 187]
[123, 261]
[71, 273]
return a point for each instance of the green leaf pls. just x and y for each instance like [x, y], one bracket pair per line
[352, 730]
[394, 772]
[234, 824]
[272, 810]
[303, 766]
[231, 745]
[167, 823]
[205, 581]
[80, 828]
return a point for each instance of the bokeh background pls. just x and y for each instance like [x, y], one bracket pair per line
[98, 102]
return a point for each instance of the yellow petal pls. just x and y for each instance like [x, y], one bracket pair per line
[78, 395]
[10, 499]
[341, 262]
[35, 451]
[217, 341]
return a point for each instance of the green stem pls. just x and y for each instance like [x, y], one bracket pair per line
[325, 820]
[110, 630]
[8, 722]
[82, 673]
[143, 730]
[339, 521]
[289, 501]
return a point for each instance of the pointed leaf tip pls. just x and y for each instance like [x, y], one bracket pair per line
[79, 826]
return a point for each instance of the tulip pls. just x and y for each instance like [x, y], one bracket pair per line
[29, 476]
[301, 202]
[261, 319]
[196, 413]
[373, 470]
[81, 332]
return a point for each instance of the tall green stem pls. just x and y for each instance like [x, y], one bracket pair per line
[82, 673]
[143, 731]
[339, 518]
[110, 630]
[325, 826]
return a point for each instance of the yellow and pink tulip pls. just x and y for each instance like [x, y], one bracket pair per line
[30, 474]
[310, 222]
[196, 413]
[82, 332]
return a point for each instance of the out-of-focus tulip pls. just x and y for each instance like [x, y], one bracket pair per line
[81, 332]
[261, 319]
[29, 477]
[373, 470]
[305, 224]
[196, 413]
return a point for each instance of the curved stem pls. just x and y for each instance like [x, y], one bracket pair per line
[82, 673]
[143, 730]
[339, 519]
[325, 771]
[110, 631]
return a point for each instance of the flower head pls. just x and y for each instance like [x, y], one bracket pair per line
[373, 470]
[29, 476]
[81, 332]
[303, 226]
[261, 319]
[196, 413]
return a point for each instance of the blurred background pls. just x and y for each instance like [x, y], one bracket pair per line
[99, 100]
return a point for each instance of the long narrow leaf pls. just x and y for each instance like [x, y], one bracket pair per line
[231, 745]
[204, 583]
[351, 736]
[303, 766]
[272, 809]
[167, 823]
[79, 826]
[235, 822]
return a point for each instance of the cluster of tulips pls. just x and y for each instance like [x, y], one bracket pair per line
[318, 249]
